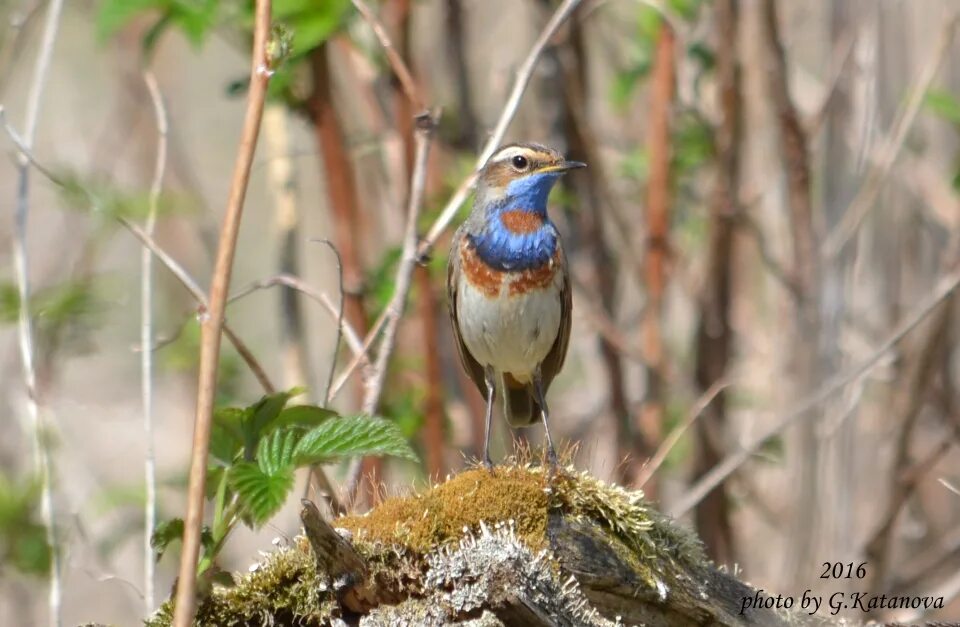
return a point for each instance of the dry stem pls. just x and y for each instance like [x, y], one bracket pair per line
[44, 465]
[425, 125]
[146, 341]
[213, 325]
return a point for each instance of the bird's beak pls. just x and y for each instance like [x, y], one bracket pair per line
[562, 167]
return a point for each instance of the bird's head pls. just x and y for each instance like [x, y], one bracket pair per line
[520, 177]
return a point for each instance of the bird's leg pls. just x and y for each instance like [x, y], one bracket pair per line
[544, 412]
[489, 379]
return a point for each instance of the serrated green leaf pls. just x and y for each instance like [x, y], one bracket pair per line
[261, 416]
[275, 451]
[164, 533]
[943, 104]
[352, 436]
[260, 494]
[303, 416]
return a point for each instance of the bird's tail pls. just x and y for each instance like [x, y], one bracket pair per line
[519, 408]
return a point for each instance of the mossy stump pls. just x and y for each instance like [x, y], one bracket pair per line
[512, 547]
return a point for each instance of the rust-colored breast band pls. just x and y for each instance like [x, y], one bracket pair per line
[535, 278]
[481, 276]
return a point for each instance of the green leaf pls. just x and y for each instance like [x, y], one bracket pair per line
[352, 436]
[380, 280]
[944, 104]
[312, 22]
[9, 303]
[23, 540]
[303, 416]
[275, 451]
[166, 532]
[259, 418]
[115, 14]
[226, 436]
[169, 531]
[260, 494]
[686, 9]
[195, 18]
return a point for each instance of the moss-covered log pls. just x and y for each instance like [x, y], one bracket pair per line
[512, 547]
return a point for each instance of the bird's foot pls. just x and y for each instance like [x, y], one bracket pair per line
[488, 464]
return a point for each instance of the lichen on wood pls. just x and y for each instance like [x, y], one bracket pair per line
[516, 546]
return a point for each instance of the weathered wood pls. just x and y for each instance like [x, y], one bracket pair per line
[516, 547]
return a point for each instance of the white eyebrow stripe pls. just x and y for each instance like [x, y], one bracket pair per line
[512, 151]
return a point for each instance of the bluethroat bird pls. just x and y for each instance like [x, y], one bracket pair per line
[509, 286]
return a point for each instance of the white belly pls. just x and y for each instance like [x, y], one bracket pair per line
[512, 334]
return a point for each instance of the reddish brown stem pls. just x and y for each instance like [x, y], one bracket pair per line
[656, 254]
[213, 324]
[341, 187]
[433, 439]
[714, 335]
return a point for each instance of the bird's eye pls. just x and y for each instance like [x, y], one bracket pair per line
[519, 162]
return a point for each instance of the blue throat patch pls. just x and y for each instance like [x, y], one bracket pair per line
[505, 250]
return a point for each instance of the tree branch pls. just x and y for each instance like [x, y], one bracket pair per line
[393, 57]
[866, 197]
[425, 125]
[944, 288]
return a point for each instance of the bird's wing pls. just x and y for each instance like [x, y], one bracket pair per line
[471, 365]
[553, 362]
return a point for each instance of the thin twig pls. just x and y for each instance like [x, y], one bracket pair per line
[197, 292]
[340, 329]
[169, 262]
[359, 357]
[43, 462]
[949, 486]
[944, 288]
[294, 283]
[674, 436]
[866, 197]
[506, 116]
[393, 57]
[343, 329]
[212, 327]
[746, 222]
[146, 342]
[425, 125]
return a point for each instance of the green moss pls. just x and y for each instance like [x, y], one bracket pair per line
[395, 538]
[285, 587]
[424, 522]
